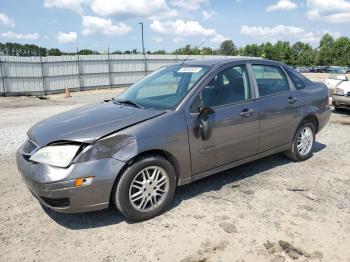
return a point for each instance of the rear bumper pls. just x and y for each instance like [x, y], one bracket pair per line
[341, 101]
[54, 187]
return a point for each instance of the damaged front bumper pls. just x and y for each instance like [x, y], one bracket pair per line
[55, 188]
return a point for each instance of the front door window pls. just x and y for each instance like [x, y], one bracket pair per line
[228, 87]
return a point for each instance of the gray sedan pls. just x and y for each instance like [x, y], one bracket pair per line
[179, 124]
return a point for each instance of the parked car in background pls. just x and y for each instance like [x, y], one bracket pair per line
[302, 69]
[321, 69]
[308, 69]
[312, 69]
[337, 70]
[334, 80]
[341, 90]
[179, 124]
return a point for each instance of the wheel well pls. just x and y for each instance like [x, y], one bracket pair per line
[173, 161]
[313, 119]
[161, 153]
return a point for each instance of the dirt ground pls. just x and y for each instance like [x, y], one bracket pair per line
[268, 210]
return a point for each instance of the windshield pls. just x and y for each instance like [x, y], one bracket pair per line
[163, 89]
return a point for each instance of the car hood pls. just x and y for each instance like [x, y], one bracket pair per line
[332, 83]
[88, 123]
[345, 85]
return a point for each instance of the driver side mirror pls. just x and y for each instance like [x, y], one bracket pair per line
[205, 123]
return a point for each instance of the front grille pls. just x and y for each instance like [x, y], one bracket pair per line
[56, 202]
[28, 147]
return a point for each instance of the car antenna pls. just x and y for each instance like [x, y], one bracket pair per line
[202, 43]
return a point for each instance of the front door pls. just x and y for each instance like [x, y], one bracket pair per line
[235, 130]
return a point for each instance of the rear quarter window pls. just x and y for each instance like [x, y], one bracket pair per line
[296, 78]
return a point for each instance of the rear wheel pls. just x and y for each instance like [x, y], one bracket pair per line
[303, 142]
[145, 189]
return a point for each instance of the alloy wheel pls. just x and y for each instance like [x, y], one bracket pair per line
[305, 141]
[149, 188]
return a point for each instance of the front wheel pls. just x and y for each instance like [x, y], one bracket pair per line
[303, 142]
[145, 189]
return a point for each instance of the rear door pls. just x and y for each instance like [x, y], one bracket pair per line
[235, 133]
[281, 109]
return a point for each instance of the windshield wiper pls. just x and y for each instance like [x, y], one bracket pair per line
[127, 102]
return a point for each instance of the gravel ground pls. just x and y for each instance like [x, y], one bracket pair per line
[268, 210]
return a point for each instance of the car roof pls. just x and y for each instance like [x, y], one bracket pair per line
[223, 60]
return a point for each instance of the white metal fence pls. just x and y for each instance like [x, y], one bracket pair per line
[47, 75]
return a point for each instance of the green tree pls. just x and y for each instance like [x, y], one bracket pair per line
[241, 51]
[304, 54]
[228, 48]
[251, 50]
[159, 52]
[187, 50]
[341, 51]
[267, 51]
[284, 52]
[15, 49]
[54, 52]
[326, 51]
[207, 51]
[87, 52]
[329, 52]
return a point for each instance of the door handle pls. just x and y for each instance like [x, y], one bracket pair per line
[246, 112]
[291, 100]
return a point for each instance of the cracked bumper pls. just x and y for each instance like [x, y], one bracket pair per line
[54, 187]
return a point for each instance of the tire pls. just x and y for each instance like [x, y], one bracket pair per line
[300, 155]
[135, 185]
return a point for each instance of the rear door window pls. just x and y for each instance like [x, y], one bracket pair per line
[270, 79]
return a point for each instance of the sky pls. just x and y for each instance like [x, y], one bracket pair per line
[169, 24]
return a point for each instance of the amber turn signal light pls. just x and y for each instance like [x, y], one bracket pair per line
[84, 181]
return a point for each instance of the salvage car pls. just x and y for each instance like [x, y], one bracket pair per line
[341, 93]
[179, 124]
